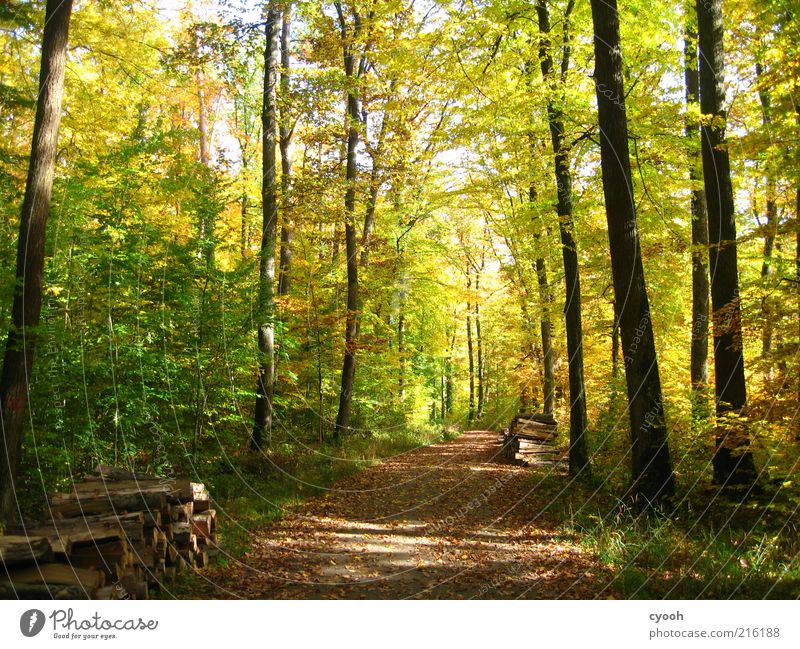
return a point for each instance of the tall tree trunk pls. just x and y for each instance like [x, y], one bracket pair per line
[21, 342]
[448, 381]
[698, 364]
[262, 425]
[244, 243]
[285, 131]
[479, 345]
[351, 244]
[548, 373]
[401, 352]
[652, 478]
[578, 449]
[471, 358]
[374, 189]
[733, 460]
[771, 227]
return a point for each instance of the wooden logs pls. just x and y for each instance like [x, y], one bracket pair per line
[113, 535]
[21, 550]
[529, 435]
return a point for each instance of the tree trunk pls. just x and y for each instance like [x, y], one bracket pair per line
[471, 358]
[448, 381]
[262, 425]
[733, 460]
[652, 478]
[401, 352]
[700, 298]
[351, 244]
[771, 229]
[548, 386]
[479, 345]
[21, 342]
[578, 450]
[285, 144]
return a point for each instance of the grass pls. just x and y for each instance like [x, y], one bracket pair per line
[709, 547]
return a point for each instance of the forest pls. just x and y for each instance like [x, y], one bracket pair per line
[336, 260]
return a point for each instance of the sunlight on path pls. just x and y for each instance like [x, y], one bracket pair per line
[459, 524]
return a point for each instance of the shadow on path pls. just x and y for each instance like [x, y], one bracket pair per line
[448, 521]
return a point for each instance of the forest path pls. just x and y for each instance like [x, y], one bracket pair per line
[448, 521]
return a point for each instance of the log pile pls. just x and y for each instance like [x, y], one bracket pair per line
[530, 436]
[114, 535]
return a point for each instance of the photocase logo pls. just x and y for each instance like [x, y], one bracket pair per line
[31, 622]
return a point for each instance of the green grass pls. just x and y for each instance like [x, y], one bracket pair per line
[709, 547]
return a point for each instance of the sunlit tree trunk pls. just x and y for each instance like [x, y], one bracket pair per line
[285, 143]
[733, 460]
[27, 304]
[652, 478]
[262, 425]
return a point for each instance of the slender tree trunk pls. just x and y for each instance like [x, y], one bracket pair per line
[448, 387]
[374, 189]
[401, 352]
[244, 243]
[771, 228]
[733, 460]
[548, 386]
[351, 244]
[21, 342]
[578, 449]
[700, 297]
[285, 137]
[471, 358]
[262, 425]
[652, 477]
[479, 346]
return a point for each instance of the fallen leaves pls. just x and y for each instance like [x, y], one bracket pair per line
[425, 524]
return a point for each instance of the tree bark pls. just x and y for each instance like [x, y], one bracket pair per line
[770, 229]
[733, 460]
[262, 425]
[548, 373]
[479, 345]
[26, 309]
[351, 244]
[471, 358]
[698, 364]
[652, 479]
[285, 143]
[578, 449]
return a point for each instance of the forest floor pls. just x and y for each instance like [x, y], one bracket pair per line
[447, 521]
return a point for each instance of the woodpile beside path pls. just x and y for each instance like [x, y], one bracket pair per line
[115, 535]
[530, 439]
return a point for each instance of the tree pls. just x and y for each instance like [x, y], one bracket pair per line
[652, 477]
[354, 69]
[733, 460]
[700, 298]
[262, 424]
[578, 451]
[286, 130]
[26, 309]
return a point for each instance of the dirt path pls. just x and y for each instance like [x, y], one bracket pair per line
[448, 521]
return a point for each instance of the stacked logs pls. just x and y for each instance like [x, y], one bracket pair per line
[114, 535]
[530, 436]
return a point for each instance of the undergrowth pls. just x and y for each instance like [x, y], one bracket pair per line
[707, 546]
